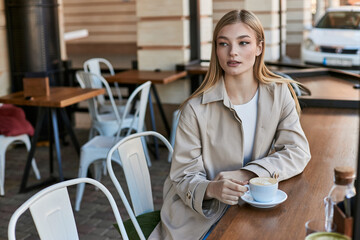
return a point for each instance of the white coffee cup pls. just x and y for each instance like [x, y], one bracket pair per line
[263, 189]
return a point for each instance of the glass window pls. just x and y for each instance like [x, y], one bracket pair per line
[340, 20]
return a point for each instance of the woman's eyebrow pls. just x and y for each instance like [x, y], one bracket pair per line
[239, 37]
[243, 36]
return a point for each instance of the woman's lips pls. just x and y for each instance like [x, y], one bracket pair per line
[233, 63]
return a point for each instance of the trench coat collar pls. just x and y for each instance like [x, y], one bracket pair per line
[217, 93]
[265, 107]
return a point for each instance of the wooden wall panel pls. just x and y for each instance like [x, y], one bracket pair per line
[164, 59]
[298, 16]
[206, 31]
[206, 7]
[162, 8]
[99, 19]
[89, 9]
[221, 7]
[108, 22]
[163, 33]
[4, 59]
[206, 51]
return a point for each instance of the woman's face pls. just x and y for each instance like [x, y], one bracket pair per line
[237, 48]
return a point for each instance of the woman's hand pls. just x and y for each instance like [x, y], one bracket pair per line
[239, 175]
[226, 190]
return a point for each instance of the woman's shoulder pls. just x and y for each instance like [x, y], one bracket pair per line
[192, 103]
[275, 87]
[192, 108]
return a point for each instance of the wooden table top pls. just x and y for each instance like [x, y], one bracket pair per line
[140, 76]
[333, 135]
[59, 97]
[329, 87]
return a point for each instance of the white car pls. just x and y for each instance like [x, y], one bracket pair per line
[335, 40]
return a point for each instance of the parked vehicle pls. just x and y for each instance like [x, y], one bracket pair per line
[335, 39]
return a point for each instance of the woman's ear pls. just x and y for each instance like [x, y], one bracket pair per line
[259, 48]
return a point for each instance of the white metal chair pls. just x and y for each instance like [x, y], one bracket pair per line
[105, 124]
[175, 122]
[98, 147]
[5, 141]
[133, 161]
[52, 212]
[93, 65]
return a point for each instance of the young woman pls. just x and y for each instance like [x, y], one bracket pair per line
[242, 122]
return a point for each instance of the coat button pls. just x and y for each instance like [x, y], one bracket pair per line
[188, 195]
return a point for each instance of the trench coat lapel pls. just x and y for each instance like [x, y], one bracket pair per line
[265, 109]
[217, 93]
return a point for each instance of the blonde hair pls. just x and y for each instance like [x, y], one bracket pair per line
[261, 72]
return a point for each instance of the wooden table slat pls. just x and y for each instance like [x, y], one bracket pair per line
[59, 97]
[139, 77]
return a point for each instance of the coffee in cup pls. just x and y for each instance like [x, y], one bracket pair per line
[263, 189]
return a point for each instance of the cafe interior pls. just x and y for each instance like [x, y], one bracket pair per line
[73, 71]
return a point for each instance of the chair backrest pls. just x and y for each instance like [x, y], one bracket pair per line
[91, 80]
[133, 161]
[138, 117]
[93, 65]
[52, 213]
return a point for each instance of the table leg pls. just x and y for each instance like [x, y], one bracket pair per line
[57, 142]
[51, 142]
[153, 125]
[161, 110]
[40, 118]
[70, 130]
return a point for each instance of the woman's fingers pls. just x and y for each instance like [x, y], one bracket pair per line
[226, 190]
[231, 192]
[237, 186]
[230, 199]
[239, 182]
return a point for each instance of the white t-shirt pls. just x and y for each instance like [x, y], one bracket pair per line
[248, 114]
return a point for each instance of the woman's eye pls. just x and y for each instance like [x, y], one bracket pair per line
[224, 44]
[244, 43]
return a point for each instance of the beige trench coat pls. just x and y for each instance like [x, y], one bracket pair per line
[209, 140]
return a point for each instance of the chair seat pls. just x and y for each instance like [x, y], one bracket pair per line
[108, 124]
[99, 142]
[99, 146]
[147, 222]
[108, 108]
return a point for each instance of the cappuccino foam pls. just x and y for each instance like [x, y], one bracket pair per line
[263, 181]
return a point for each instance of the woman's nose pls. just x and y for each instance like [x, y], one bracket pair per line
[233, 51]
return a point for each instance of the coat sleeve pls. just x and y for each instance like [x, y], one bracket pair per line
[187, 171]
[292, 152]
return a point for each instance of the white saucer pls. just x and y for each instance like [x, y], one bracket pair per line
[280, 197]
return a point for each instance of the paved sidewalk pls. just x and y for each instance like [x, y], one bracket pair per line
[95, 218]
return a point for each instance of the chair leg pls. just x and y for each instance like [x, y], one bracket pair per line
[104, 168]
[91, 133]
[83, 168]
[97, 170]
[175, 122]
[26, 140]
[2, 173]
[35, 169]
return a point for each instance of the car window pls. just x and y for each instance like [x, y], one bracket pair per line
[340, 20]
